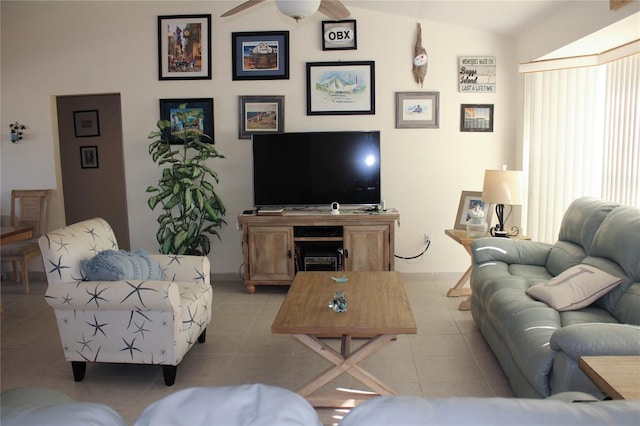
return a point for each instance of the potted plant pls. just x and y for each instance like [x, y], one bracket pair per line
[191, 209]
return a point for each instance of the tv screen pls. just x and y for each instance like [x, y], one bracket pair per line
[316, 168]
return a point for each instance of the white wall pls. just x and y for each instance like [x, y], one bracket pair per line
[69, 48]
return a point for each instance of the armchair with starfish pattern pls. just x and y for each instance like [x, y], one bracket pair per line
[124, 321]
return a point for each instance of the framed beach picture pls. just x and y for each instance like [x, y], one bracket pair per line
[417, 110]
[197, 116]
[476, 118]
[336, 88]
[260, 55]
[468, 201]
[184, 47]
[260, 114]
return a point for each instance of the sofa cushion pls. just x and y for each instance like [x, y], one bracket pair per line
[575, 288]
[47, 407]
[413, 410]
[626, 310]
[589, 314]
[247, 405]
[582, 219]
[616, 249]
[580, 223]
[618, 239]
[112, 265]
[563, 256]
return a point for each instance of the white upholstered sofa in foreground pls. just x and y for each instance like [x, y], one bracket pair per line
[141, 308]
[263, 405]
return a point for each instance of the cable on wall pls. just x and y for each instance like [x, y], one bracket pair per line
[416, 256]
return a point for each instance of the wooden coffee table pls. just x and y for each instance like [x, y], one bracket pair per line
[378, 310]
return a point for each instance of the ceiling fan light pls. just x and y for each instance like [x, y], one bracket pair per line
[298, 9]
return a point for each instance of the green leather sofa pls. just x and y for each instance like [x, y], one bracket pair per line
[538, 346]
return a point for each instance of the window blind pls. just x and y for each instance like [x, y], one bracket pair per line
[621, 174]
[580, 138]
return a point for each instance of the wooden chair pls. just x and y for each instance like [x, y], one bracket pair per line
[29, 207]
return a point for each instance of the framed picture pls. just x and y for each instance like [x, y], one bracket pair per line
[468, 200]
[199, 117]
[339, 35]
[89, 157]
[336, 88]
[261, 114]
[86, 123]
[417, 110]
[260, 55]
[184, 47]
[476, 118]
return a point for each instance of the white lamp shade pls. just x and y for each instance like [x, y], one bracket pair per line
[503, 187]
[298, 9]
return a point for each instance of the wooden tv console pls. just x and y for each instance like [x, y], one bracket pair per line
[276, 247]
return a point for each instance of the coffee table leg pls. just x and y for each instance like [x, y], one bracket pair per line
[347, 363]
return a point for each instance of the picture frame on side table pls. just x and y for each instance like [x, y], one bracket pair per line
[339, 35]
[468, 200]
[89, 157]
[260, 55]
[476, 118]
[417, 110]
[260, 114]
[184, 47]
[339, 88]
[199, 111]
[86, 123]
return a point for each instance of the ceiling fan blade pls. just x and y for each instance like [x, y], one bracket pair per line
[334, 9]
[240, 8]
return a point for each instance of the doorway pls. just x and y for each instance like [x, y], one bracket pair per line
[92, 161]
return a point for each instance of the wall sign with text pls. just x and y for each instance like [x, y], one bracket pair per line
[477, 74]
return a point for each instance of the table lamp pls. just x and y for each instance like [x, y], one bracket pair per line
[502, 187]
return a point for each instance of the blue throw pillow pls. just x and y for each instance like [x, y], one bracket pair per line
[112, 265]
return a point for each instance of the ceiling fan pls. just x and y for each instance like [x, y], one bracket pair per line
[298, 9]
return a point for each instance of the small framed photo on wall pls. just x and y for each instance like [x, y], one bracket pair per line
[476, 118]
[417, 110]
[339, 35]
[89, 157]
[261, 114]
[86, 123]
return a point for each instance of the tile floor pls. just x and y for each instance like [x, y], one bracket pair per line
[448, 356]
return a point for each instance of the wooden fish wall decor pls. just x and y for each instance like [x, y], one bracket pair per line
[419, 59]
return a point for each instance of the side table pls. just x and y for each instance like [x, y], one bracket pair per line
[460, 236]
[617, 376]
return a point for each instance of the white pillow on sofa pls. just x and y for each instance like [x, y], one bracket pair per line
[575, 288]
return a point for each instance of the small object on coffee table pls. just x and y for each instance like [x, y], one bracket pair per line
[339, 302]
[342, 279]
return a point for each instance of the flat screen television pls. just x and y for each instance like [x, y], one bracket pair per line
[316, 168]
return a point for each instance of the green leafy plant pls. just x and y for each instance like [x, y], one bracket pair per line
[191, 209]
